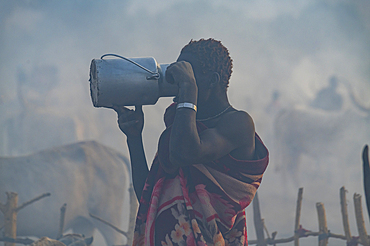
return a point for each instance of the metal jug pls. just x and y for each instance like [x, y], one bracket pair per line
[128, 81]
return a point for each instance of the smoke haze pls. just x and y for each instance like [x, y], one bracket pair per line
[292, 47]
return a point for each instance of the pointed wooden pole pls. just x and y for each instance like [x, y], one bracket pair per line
[360, 220]
[61, 221]
[323, 227]
[343, 205]
[298, 216]
[10, 217]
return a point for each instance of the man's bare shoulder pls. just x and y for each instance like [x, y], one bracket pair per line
[238, 128]
[237, 124]
[237, 117]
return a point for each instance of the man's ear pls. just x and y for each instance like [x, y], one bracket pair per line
[215, 79]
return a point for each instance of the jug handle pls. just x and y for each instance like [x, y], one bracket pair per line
[154, 75]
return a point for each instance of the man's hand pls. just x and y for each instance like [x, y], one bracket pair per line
[131, 122]
[180, 73]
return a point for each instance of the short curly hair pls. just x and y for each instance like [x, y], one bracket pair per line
[213, 56]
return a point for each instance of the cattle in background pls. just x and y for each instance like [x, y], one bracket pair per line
[89, 177]
[320, 135]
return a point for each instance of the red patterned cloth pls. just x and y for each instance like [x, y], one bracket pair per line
[199, 204]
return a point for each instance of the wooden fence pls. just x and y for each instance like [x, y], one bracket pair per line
[323, 234]
[10, 210]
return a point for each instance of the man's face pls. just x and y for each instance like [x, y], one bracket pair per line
[200, 77]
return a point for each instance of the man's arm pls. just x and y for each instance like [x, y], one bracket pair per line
[139, 167]
[131, 124]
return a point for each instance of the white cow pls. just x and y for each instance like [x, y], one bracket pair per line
[89, 177]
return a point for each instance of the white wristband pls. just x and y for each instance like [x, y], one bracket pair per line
[187, 105]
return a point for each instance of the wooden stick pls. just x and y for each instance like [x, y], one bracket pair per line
[305, 234]
[339, 236]
[62, 220]
[285, 240]
[109, 224]
[360, 220]
[258, 224]
[323, 227]
[10, 217]
[298, 216]
[32, 201]
[366, 174]
[25, 241]
[343, 205]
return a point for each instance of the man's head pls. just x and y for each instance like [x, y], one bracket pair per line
[212, 57]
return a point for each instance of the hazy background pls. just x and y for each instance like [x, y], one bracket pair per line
[291, 46]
